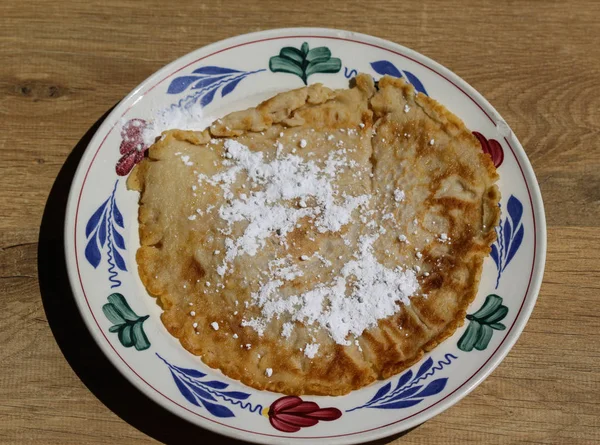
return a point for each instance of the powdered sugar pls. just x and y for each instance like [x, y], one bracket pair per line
[285, 181]
[186, 160]
[184, 118]
[310, 350]
[286, 330]
[365, 292]
[280, 192]
[258, 325]
[399, 195]
[283, 268]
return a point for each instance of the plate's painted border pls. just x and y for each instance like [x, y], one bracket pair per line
[434, 67]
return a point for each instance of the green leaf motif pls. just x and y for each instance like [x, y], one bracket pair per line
[485, 335]
[125, 336]
[112, 314]
[482, 324]
[141, 341]
[329, 66]
[304, 48]
[496, 316]
[292, 54]
[469, 338]
[279, 64]
[120, 304]
[126, 323]
[321, 52]
[498, 326]
[304, 62]
[492, 302]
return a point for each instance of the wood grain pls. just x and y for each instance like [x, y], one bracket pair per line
[66, 63]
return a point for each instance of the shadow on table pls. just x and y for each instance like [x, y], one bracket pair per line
[77, 344]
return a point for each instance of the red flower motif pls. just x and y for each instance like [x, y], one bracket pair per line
[132, 145]
[290, 413]
[491, 147]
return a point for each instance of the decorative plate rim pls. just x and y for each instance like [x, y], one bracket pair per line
[404, 423]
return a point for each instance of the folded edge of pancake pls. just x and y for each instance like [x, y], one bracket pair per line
[473, 212]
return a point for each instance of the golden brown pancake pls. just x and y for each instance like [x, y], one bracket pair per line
[320, 241]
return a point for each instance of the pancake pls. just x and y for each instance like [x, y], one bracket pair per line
[320, 241]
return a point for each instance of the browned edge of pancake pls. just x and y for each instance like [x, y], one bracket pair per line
[490, 214]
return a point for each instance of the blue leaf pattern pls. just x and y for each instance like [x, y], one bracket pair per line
[217, 410]
[119, 260]
[400, 404]
[184, 390]
[494, 255]
[515, 244]
[407, 394]
[204, 83]
[507, 232]
[102, 232]
[119, 241]
[230, 87]
[385, 67]
[382, 392]
[409, 390]
[208, 97]
[511, 232]
[515, 209]
[208, 393]
[426, 366]
[211, 70]
[180, 84]
[216, 385]
[433, 388]
[117, 215]
[403, 380]
[200, 391]
[94, 219]
[415, 82]
[190, 372]
[103, 236]
[92, 253]
[236, 395]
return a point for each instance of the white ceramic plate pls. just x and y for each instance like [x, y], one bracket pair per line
[101, 241]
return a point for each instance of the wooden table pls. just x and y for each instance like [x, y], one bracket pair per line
[65, 64]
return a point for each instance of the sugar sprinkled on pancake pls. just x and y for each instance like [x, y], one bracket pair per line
[322, 232]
